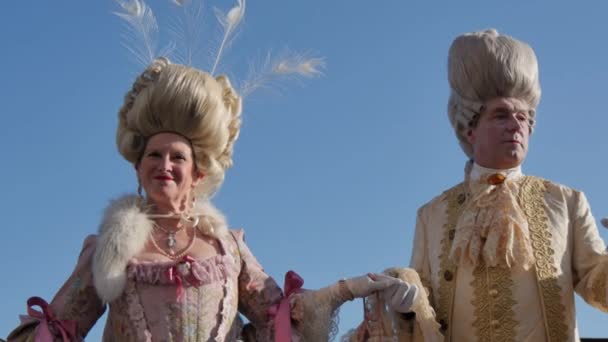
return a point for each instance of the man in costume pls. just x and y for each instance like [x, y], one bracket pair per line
[502, 253]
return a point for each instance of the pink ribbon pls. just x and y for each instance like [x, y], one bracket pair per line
[174, 275]
[67, 328]
[282, 311]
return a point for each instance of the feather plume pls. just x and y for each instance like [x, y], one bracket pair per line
[288, 65]
[229, 22]
[142, 29]
[187, 31]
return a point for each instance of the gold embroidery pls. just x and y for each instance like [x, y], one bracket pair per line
[598, 290]
[532, 202]
[493, 302]
[455, 199]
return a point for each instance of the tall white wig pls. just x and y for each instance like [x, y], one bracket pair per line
[485, 65]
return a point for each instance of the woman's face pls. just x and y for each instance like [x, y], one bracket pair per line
[167, 171]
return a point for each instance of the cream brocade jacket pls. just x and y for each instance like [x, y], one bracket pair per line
[510, 304]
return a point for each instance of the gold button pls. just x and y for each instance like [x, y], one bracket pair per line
[493, 292]
[496, 179]
[494, 323]
[451, 234]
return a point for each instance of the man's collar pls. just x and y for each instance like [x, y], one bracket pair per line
[478, 172]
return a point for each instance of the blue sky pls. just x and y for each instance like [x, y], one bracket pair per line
[328, 175]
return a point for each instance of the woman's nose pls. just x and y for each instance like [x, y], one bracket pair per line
[165, 164]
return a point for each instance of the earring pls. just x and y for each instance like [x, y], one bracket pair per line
[193, 196]
[140, 191]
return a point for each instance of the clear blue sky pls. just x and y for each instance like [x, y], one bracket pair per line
[327, 176]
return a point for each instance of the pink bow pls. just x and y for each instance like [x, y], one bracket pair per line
[67, 328]
[282, 311]
[173, 273]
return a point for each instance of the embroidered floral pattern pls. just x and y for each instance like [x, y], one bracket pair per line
[82, 301]
[455, 199]
[493, 302]
[533, 203]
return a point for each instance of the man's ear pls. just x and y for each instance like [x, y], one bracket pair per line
[471, 136]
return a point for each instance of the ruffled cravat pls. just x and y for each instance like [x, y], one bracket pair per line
[493, 227]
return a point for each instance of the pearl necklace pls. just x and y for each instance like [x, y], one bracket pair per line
[172, 241]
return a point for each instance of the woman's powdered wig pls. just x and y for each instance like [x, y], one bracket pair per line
[179, 99]
[485, 65]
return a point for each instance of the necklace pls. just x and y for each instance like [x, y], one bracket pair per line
[171, 241]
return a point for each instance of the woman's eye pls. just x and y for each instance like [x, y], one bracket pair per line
[179, 157]
[154, 154]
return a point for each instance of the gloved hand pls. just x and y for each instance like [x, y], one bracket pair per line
[365, 285]
[320, 305]
[400, 296]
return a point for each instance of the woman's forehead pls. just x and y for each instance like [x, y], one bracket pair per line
[167, 140]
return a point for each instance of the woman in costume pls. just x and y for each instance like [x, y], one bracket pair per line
[164, 262]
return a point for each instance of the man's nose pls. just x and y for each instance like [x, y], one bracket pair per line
[514, 124]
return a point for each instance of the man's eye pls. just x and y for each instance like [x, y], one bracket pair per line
[501, 115]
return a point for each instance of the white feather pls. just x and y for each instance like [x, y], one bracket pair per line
[286, 66]
[142, 30]
[187, 31]
[229, 22]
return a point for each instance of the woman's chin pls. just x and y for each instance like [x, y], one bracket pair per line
[162, 197]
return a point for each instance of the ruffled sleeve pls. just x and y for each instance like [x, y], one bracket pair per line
[76, 303]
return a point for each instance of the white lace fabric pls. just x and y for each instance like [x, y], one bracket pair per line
[493, 228]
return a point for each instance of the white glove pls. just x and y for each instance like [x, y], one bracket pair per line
[400, 296]
[365, 285]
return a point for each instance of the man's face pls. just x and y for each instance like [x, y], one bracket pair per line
[500, 137]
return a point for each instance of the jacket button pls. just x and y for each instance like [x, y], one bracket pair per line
[444, 325]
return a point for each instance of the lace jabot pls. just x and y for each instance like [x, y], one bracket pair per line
[493, 228]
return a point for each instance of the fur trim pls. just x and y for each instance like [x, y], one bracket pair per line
[212, 221]
[123, 233]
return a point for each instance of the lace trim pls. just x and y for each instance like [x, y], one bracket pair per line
[205, 271]
[455, 199]
[598, 290]
[493, 302]
[531, 198]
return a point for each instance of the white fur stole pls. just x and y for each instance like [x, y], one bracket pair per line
[123, 233]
